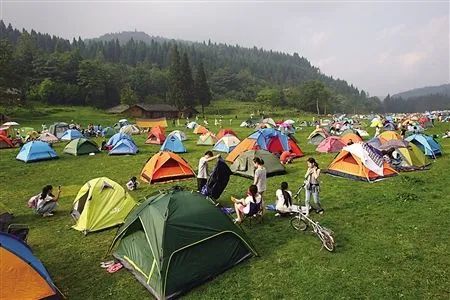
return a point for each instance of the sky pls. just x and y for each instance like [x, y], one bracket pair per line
[379, 46]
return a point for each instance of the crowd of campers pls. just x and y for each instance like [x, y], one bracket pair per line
[145, 244]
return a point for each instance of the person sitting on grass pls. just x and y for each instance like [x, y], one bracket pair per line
[284, 200]
[286, 157]
[47, 202]
[249, 205]
[132, 184]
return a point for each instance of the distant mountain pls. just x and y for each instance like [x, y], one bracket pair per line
[124, 36]
[425, 91]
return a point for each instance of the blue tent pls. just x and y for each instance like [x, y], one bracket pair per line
[71, 134]
[36, 150]
[173, 144]
[426, 144]
[118, 137]
[23, 275]
[124, 146]
[265, 137]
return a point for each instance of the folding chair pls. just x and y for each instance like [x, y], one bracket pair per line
[19, 230]
[255, 213]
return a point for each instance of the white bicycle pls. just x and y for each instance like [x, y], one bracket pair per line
[301, 221]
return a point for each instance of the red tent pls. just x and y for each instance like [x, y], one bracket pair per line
[225, 131]
[5, 142]
[156, 136]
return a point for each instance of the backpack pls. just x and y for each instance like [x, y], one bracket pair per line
[33, 201]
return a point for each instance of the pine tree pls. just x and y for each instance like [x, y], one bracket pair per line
[201, 88]
[187, 82]
[175, 89]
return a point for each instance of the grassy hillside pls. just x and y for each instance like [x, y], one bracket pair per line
[393, 236]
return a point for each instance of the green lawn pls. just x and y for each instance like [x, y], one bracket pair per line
[393, 236]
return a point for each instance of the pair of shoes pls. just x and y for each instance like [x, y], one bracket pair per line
[106, 264]
[277, 215]
[320, 211]
[47, 214]
[237, 221]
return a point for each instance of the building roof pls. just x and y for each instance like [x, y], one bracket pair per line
[118, 109]
[144, 106]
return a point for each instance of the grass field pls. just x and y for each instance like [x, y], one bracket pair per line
[393, 236]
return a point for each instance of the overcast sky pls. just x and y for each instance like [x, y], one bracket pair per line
[379, 46]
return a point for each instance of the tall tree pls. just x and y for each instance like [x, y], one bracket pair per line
[187, 82]
[201, 88]
[175, 92]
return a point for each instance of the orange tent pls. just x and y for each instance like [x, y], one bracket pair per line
[346, 138]
[350, 166]
[166, 166]
[5, 142]
[225, 131]
[389, 135]
[200, 130]
[244, 145]
[156, 136]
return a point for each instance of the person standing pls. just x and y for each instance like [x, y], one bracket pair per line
[202, 174]
[260, 179]
[312, 185]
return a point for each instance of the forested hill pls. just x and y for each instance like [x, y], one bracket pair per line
[119, 68]
[443, 90]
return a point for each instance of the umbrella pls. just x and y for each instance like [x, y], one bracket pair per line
[11, 124]
[290, 122]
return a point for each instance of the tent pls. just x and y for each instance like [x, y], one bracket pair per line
[149, 123]
[389, 135]
[330, 144]
[24, 131]
[362, 132]
[191, 125]
[173, 144]
[35, 151]
[129, 129]
[426, 144]
[350, 137]
[224, 131]
[226, 144]
[81, 146]
[48, 138]
[124, 147]
[389, 126]
[199, 129]
[317, 136]
[359, 162]
[156, 136]
[179, 134]
[5, 142]
[118, 137]
[71, 134]
[376, 123]
[101, 203]
[243, 165]
[412, 158]
[207, 139]
[108, 132]
[177, 240]
[23, 276]
[166, 166]
[58, 129]
[32, 135]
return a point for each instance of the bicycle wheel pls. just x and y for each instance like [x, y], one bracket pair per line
[327, 240]
[299, 224]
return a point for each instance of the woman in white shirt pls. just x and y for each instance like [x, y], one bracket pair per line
[242, 206]
[47, 202]
[284, 199]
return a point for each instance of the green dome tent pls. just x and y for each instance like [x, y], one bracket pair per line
[81, 146]
[243, 164]
[177, 240]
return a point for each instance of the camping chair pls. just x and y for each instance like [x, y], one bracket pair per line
[255, 213]
[5, 220]
[19, 230]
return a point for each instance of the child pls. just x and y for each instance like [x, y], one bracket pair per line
[132, 184]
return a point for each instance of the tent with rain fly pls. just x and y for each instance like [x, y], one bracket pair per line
[199, 129]
[179, 134]
[224, 131]
[350, 138]
[108, 132]
[118, 137]
[360, 162]
[100, 203]
[173, 144]
[411, 158]
[317, 136]
[81, 146]
[36, 151]
[207, 139]
[226, 144]
[130, 129]
[156, 136]
[166, 166]
[330, 145]
[124, 147]
[48, 138]
[426, 144]
[71, 134]
[389, 135]
[5, 142]
[23, 276]
[243, 165]
[58, 129]
[175, 234]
